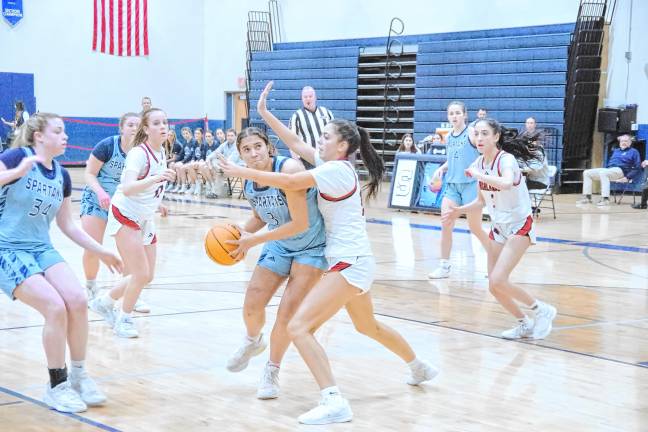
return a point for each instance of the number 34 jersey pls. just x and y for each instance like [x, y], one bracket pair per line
[146, 162]
[29, 204]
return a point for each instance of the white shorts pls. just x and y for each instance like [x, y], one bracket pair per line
[117, 219]
[501, 232]
[357, 270]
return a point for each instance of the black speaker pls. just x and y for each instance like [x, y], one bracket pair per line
[627, 116]
[608, 119]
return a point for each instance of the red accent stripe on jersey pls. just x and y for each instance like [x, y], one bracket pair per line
[148, 165]
[151, 151]
[526, 228]
[519, 180]
[154, 239]
[497, 159]
[491, 235]
[123, 219]
[343, 197]
[341, 265]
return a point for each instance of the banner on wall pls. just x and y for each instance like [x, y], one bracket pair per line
[120, 27]
[12, 11]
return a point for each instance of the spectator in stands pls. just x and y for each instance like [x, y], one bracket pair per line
[531, 133]
[625, 163]
[407, 145]
[220, 136]
[644, 193]
[230, 152]
[174, 153]
[20, 117]
[308, 121]
[146, 104]
[188, 145]
[482, 113]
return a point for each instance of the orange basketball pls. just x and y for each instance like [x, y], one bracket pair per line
[215, 245]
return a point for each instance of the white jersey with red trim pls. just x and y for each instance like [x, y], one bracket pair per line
[146, 162]
[340, 202]
[504, 206]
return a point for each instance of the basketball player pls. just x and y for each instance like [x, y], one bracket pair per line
[102, 173]
[348, 252]
[293, 250]
[459, 188]
[131, 219]
[504, 191]
[35, 189]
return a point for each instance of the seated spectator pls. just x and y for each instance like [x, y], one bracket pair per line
[230, 152]
[182, 160]
[644, 193]
[531, 132]
[482, 113]
[407, 145]
[624, 164]
[205, 169]
[220, 136]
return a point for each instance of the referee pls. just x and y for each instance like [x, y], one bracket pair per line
[308, 122]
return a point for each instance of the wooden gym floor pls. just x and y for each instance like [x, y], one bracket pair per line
[591, 263]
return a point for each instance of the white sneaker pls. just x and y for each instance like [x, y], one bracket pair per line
[331, 409]
[141, 306]
[106, 312]
[92, 291]
[242, 356]
[177, 188]
[603, 202]
[269, 385]
[64, 399]
[584, 200]
[440, 273]
[544, 317]
[198, 189]
[425, 372]
[87, 389]
[522, 330]
[125, 327]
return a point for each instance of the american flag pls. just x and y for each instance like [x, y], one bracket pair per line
[121, 27]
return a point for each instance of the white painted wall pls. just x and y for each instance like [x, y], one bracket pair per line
[54, 42]
[627, 82]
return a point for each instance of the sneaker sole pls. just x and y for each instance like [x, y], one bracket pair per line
[546, 333]
[267, 397]
[50, 403]
[435, 373]
[339, 419]
[242, 366]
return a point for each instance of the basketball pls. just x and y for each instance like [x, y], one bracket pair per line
[215, 243]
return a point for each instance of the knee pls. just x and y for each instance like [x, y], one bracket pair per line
[253, 305]
[370, 329]
[296, 328]
[56, 313]
[77, 303]
[496, 283]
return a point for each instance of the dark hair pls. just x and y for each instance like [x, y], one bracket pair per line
[231, 130]
[358, 138]
[254, 131]
[20, 106]
[402, 144]
[510, 142]
[140, 135]
[36, 123]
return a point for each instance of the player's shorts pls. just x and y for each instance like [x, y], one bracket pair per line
[117, 219]
[90, 206]
[281, 264]
[501, 232]
[461, 193]
[357, 270]
[16, 266]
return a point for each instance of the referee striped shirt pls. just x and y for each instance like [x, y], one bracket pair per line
[309, 125]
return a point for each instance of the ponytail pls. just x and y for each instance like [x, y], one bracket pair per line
[36, 123]
[358, 138]
[510, 142]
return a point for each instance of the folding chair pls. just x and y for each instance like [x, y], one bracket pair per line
[623, 187]
[538, 196]
[235, 185]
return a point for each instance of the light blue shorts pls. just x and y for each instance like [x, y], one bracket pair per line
[281, 264]
[461, 193]
[90, 206]
[17, 266]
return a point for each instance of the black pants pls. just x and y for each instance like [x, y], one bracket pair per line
[532, 184]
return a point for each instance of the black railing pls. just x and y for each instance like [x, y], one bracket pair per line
[263, 31]
[392, 93]
[583, 80]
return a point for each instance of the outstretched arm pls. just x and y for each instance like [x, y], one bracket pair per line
[289, 138]
[288, 182]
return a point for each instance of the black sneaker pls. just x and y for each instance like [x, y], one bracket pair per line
[639, 206]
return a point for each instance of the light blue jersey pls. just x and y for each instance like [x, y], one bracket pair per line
[28, 205]
[272, 207]
[461, 154]
[110, 153]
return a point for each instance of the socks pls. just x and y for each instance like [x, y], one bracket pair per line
[445, 263]
[272, 364]
[415, 364]
[78, 367]
[57, 376]
[91, 284]
[254, 339]
[329, 391]
[526, 321]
